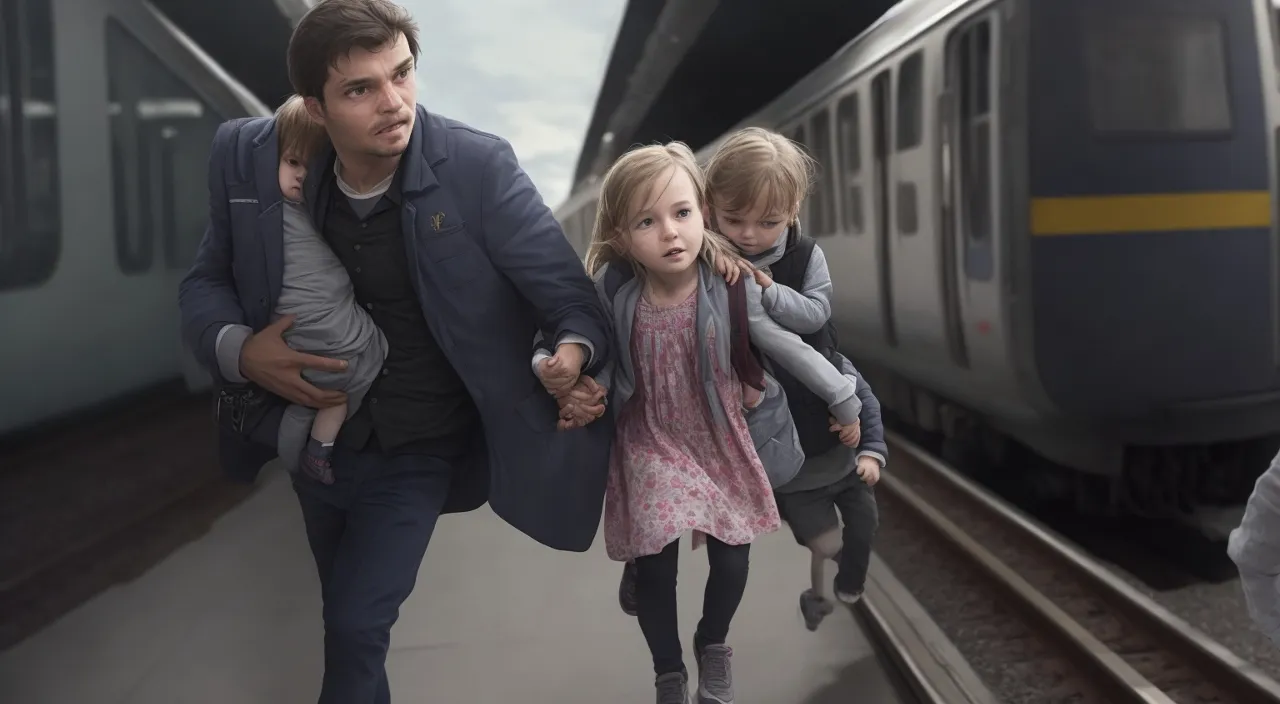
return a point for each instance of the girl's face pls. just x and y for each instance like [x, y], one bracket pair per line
[754, 230]
[665, 235]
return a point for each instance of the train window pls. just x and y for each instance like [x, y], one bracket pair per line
[822, 202]
[160, 135]
[849, 153]
[910, 102]
[30, 202]
[972, 55]
[1157, 74]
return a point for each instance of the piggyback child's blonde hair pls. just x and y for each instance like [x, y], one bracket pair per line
[632, 178]
[296, 132]
[755, 164]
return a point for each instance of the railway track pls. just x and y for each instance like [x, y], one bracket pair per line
[1120, 645]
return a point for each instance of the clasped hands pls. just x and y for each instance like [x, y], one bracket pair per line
[580, 398]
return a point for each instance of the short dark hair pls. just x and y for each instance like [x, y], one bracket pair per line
[331, 29]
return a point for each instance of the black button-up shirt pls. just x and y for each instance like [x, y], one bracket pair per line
[418, 403]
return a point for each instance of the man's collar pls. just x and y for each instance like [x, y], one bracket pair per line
[390, 186]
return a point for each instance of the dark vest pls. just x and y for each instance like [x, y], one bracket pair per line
[418, 403]
[811, 414]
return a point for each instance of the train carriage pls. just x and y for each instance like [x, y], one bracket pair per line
[1055, 219]
[107, 111]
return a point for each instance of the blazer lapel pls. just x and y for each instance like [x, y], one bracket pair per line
[266, 176]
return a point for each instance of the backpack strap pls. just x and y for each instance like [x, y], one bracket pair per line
[740, 354]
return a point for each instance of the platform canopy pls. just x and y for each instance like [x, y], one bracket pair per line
[691, 69]
[248, 38]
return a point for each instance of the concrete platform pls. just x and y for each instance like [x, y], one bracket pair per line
[235, 617]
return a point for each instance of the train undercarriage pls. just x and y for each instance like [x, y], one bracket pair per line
[1189, 483]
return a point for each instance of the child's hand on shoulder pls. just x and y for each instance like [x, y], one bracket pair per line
[751, 396]
[728, 267]
[869, 470]
[850, 435]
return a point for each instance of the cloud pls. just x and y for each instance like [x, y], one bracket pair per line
[527, 70]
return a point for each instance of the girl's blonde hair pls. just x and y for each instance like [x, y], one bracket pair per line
[755, 163]
[632, 177]
[297, 133]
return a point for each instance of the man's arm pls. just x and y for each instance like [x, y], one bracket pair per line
[527, 245]
[802, 311]
[212, 318]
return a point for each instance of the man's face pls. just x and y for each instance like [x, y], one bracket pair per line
[370, 100]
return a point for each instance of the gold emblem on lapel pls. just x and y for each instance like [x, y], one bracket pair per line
[436, 221]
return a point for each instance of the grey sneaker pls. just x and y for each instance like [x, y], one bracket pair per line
[814, 608]
[715, 677]
[673, 688]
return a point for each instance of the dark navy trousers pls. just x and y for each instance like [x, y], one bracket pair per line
[368, 531]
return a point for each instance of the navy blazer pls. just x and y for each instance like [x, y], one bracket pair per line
[491, 267]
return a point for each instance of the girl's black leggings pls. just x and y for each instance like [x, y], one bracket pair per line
[656, 600]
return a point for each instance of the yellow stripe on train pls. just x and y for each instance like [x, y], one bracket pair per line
[1098, 215]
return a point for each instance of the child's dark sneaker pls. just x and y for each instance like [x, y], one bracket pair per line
[315, 461]
[627, 589]
[673, 688]
[814, 608]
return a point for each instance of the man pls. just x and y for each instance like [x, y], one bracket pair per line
[454, 255]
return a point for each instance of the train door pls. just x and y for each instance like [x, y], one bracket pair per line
[881, 117]
[973, 119]
[1268, 35]
[918, 317]
[853, 253]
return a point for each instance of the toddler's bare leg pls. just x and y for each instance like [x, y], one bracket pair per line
[824, 547]
[328, 423]
[815, 604]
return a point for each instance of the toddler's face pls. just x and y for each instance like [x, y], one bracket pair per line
[753, 230]
[293, 171]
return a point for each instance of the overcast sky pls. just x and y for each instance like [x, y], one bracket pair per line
[526, 70]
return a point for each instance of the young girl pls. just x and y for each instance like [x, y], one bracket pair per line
[317, 291]
[684, 457]
[755, 183]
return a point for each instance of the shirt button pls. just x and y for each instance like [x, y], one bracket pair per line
[369, 306]
[363, 225]
[386, 372]
[374, 401]
[357, 270]
[357, 248]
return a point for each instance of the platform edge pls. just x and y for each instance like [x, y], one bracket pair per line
[925, 656]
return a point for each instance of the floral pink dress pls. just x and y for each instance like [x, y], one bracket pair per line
[672, 469]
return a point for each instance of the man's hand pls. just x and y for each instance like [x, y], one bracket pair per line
[267, 361]
[560, 372]
[869, 470]
[849, 434]
[582, 404]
